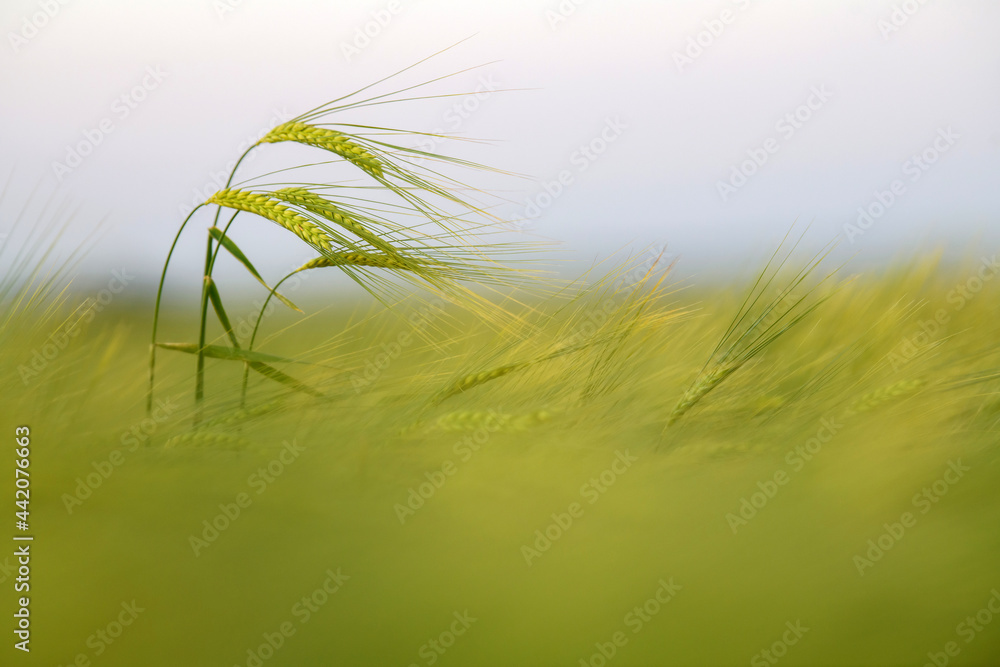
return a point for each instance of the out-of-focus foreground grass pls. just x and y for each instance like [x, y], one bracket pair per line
[844, 481]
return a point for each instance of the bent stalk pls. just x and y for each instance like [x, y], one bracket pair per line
[156, 310]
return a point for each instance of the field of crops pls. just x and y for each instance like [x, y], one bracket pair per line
[797, 466]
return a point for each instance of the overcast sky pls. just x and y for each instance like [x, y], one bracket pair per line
[711, 126]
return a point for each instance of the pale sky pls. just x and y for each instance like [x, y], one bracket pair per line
[829, 101]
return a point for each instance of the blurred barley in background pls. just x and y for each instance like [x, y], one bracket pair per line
[539, 333]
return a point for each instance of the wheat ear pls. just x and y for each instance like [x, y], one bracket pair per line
[331, 140]
[274, 211]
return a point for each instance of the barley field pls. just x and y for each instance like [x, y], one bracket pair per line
[614, 475]
[439, 438]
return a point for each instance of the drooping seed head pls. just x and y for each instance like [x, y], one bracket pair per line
[353, 259]
[317, 205]
[331, 140]
[266, 207]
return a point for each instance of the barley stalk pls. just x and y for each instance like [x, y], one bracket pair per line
[331, 140]
[266, 207]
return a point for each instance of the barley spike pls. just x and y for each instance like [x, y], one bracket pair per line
[331, 140]
[264, 206]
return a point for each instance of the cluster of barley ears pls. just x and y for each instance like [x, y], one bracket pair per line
[581, 344]
[355, 234]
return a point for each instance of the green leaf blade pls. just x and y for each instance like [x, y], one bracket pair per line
[235, 251]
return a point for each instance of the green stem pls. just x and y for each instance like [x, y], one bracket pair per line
[225, 229]
[199, 387]
[156, 310]
[229, 181]
[253, 336]
[199, 390]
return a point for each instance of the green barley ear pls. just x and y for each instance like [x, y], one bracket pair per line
[883, 395]
[472, 380]
[471, 420]
[330, 140]
[755, 327]
[355, 259]
[475, 379]
[699, 390]
[206, 439]
[274, 211]
[317, 205]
